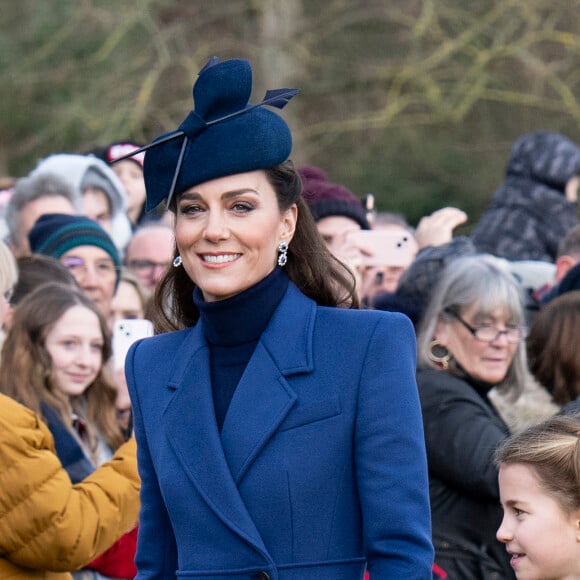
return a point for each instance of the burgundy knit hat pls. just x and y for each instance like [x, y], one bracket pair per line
[327, 199]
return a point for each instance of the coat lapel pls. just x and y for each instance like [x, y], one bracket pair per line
[263, 398]
[193, 434]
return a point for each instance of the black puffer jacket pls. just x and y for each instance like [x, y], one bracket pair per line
[529, 213]
[462, 431]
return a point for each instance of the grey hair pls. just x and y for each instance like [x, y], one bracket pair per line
[28, 189]
[486, 281]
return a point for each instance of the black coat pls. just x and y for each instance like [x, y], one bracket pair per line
[462, 431]
[529, 213]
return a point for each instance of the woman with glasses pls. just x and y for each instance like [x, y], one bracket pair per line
[471, 339]
[85, 249]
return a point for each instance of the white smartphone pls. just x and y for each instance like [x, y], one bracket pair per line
[384, 247]
[125, 332]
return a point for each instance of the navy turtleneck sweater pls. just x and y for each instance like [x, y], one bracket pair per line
[233, 328]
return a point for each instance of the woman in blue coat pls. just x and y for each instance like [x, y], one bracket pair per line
[278, 435]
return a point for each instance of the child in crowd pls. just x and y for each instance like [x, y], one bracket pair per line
[539, 480]
[53, 363]
[130, 172]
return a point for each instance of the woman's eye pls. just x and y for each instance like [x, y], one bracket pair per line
[518, 512]
[190, 209]
[242, 207]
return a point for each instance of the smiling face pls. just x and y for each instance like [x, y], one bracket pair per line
[544, 541]
[228, 230]
[75, 345]
[484, 361]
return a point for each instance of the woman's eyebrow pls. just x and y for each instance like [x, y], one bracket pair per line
[192, 195]
[236, 192]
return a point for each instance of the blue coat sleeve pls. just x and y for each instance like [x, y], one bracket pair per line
[156, 557]
[390, 456]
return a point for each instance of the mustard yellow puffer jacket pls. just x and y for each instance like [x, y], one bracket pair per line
[49, 527]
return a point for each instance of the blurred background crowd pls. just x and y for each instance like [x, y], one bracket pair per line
[436, 145]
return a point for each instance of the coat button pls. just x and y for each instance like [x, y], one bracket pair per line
[263, 576]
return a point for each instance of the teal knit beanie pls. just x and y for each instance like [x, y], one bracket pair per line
[55, 234]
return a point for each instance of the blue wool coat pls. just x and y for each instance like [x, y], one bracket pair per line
[320, 466]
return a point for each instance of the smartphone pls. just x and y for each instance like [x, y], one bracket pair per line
[384, 247]
[125, 332]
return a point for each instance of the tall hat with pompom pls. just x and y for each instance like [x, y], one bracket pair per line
[223, 135]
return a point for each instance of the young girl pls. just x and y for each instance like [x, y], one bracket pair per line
[539, 480]
[53, 363]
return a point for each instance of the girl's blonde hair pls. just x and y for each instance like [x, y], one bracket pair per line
[552, 450]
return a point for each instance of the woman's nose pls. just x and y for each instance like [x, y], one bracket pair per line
[85, 356]
[215, 227]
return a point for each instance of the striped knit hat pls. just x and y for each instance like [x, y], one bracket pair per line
[54, 234]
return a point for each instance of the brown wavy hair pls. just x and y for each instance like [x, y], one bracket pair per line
[314, 270]
[26, 370]
[552, 347]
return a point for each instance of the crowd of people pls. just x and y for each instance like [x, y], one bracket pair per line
[330, 393]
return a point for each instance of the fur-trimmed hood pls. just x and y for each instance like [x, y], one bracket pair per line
[532, 406]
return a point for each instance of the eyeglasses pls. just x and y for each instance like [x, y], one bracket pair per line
[486, 333]
[146, 265]
[105, 269]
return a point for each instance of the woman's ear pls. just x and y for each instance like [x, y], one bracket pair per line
[441, 333]
[288, 224]
[576, 522]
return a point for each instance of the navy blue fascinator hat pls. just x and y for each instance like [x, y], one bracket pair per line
[223, 135]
